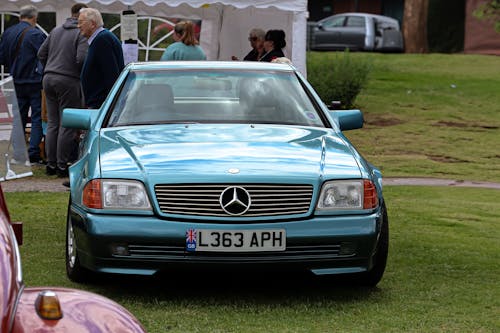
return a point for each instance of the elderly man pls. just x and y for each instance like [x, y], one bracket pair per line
[18, 50]
[104, 60]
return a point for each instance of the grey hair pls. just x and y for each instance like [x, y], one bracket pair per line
[28, 11]
[93, 15]
[259, 33]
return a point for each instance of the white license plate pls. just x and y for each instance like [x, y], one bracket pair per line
[235, 240]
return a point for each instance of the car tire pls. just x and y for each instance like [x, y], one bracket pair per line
[372, 277]
[74, 270]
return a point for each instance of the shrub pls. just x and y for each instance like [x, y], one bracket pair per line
[340, 78]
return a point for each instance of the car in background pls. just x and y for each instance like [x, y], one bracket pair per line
[221, 165]
[49, 309]
[357, 32]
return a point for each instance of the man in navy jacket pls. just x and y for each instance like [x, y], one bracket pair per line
[18, 50]
[104, 60]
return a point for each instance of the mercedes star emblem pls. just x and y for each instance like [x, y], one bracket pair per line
[235, 200]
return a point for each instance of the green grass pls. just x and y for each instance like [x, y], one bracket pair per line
[434, 115]
[444, 260]
[442, 275]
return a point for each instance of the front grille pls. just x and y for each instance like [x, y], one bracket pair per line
[203, 199]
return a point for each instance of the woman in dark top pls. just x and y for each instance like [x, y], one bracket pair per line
[274, 42]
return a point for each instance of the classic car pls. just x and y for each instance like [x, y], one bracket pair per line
[357, 32]
[49, 309]
[221, 165]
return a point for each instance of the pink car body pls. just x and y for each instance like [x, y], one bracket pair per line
[81, 311]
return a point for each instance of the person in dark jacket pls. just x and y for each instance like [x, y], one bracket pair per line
[18, 51]
[274, 42]
[104, 60]
[62, 55]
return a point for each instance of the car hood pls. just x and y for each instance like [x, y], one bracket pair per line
[200, 152]
[83, 311]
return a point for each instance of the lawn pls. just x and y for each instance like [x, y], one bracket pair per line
[442, 275]
[435, 115]
[426, 116]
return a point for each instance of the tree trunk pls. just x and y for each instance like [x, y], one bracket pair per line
[415, 26]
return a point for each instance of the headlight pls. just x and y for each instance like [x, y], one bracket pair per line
[115, 194]
[348, 194]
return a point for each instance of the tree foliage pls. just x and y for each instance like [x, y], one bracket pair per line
[489, 11]
[339, 78]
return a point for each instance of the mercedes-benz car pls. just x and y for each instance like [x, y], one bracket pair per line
[225, 165]
[357, 32]
[50, 309]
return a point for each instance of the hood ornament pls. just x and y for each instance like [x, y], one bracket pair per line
[233, 171]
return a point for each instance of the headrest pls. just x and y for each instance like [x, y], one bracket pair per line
[156, 94]
[257, 93]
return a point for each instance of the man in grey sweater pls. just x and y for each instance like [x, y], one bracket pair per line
[62, 54]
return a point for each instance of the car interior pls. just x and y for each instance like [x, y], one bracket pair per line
[233, 99]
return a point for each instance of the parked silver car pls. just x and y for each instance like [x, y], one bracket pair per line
[357, 32]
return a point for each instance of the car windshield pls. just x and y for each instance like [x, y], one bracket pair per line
[213, 96]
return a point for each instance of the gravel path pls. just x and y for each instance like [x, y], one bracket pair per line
[31, 184]
[439, 182]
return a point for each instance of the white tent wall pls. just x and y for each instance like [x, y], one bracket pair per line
[225, 24]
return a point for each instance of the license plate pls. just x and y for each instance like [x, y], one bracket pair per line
[235, 240]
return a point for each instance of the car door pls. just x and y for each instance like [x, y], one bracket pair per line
[327, 33]
[352, 34]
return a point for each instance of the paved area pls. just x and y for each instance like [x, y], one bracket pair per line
[439, 182]
[32, 184]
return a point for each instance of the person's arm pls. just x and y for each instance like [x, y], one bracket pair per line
[37, 39]
[2, 57]
[43, 51]
[4, 52]
[109, 63]
[81, 51]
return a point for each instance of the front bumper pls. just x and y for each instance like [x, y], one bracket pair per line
[146, 245]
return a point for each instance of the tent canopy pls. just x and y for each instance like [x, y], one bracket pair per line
[225, 24]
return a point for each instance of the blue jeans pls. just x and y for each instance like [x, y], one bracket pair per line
[30, 95]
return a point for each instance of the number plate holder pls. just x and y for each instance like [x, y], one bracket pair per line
[209, 240]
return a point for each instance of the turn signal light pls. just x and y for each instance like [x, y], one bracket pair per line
[47, 305]
[92, 194]
[370, 195]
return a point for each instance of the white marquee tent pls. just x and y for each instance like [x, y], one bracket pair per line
[225, 24]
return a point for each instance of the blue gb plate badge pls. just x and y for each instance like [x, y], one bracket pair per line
[191, 240]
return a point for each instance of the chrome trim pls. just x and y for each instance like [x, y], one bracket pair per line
[235, 200]
[204, 199]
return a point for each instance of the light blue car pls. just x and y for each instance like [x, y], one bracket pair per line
[225, 165]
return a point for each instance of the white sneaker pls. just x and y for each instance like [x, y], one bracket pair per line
[16, 162]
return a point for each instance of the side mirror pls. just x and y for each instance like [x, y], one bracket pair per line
[78, 118]
[348, 119]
